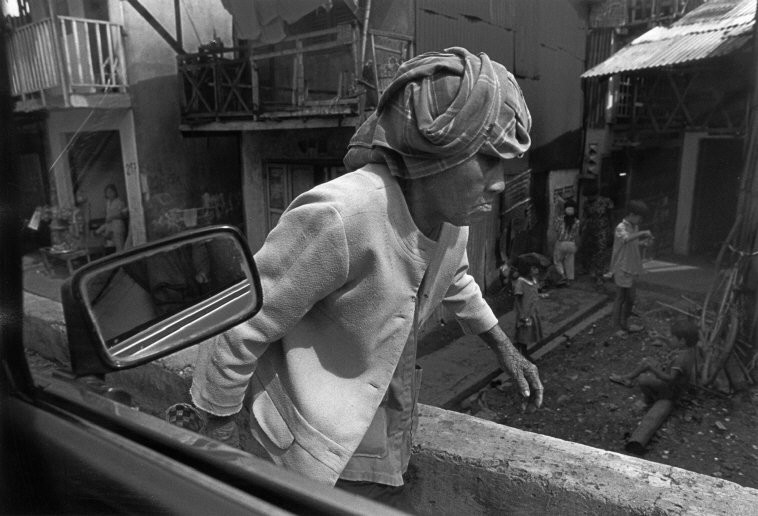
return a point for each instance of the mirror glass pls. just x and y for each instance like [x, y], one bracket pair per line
[167, 297]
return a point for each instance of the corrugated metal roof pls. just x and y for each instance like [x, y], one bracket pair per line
[714, 29]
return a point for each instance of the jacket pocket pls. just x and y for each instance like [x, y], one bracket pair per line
[374, 443]
[272, 423]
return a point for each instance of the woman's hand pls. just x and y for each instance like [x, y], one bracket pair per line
[523, 371]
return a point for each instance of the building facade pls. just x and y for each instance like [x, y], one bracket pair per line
[298, 81]
[667, 97]
[95, 87]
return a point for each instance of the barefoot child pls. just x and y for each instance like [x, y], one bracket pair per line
[626, 264]
[657, 383]
[526, 292]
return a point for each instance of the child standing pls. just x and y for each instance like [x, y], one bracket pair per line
[626, 263]
[526, 292]
[658, 383]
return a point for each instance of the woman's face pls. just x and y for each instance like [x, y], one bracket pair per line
[110, 193]
[467, 191]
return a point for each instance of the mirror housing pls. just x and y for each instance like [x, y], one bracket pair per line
[152, 300]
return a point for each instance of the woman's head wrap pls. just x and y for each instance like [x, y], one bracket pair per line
[441, 109]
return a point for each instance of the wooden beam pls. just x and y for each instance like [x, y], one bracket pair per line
[271, 125]
[155, 24]
[178, 19]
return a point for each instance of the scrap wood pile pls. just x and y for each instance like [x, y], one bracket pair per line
[728, 360]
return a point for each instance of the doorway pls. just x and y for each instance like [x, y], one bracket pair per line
[96, 164]
[717, 178]
[285, 181]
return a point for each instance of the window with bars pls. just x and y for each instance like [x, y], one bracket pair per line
[624, 98]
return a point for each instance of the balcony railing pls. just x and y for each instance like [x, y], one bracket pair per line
[321, 73]
[64, 56]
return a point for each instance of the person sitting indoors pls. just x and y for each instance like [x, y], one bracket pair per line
[656, 382]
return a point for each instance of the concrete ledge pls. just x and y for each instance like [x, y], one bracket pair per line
[44, 329]
[462, 464]
[154, 386]
[466, 465]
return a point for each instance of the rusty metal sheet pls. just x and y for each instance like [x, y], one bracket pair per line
[704, 33]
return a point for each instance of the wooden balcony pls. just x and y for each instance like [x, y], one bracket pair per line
[318, 75]
[67, 62]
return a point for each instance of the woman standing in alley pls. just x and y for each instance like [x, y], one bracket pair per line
[567, 231]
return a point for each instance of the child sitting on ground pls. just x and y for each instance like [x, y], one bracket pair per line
[526, 292]
[654, 382]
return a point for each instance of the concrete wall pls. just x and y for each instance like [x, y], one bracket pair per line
[465, 465]
[462, 464]
[541, 41]
[170, 166]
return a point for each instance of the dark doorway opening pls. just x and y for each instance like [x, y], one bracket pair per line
[716, 187]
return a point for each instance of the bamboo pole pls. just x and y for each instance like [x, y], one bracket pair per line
[720, 360]
[719, 259]
[366, 16]
[676, 309]
[747, 203]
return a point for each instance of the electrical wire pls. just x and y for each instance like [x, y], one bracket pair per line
[192, 22]
[81, 126]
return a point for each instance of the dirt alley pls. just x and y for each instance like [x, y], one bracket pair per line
[708, 432]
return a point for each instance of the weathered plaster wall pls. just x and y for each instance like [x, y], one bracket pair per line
[393, 16]
[541, 41]
[170, 166]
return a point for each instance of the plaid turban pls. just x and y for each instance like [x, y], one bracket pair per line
[440, 110]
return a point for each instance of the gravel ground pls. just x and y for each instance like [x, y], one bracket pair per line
[708, 432]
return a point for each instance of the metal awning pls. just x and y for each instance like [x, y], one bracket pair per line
[714, 29]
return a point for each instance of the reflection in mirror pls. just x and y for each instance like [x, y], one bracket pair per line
[143, 304]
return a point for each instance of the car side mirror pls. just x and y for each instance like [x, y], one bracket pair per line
[155, 299]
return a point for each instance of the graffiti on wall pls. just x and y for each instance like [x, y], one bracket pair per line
[219, 208]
